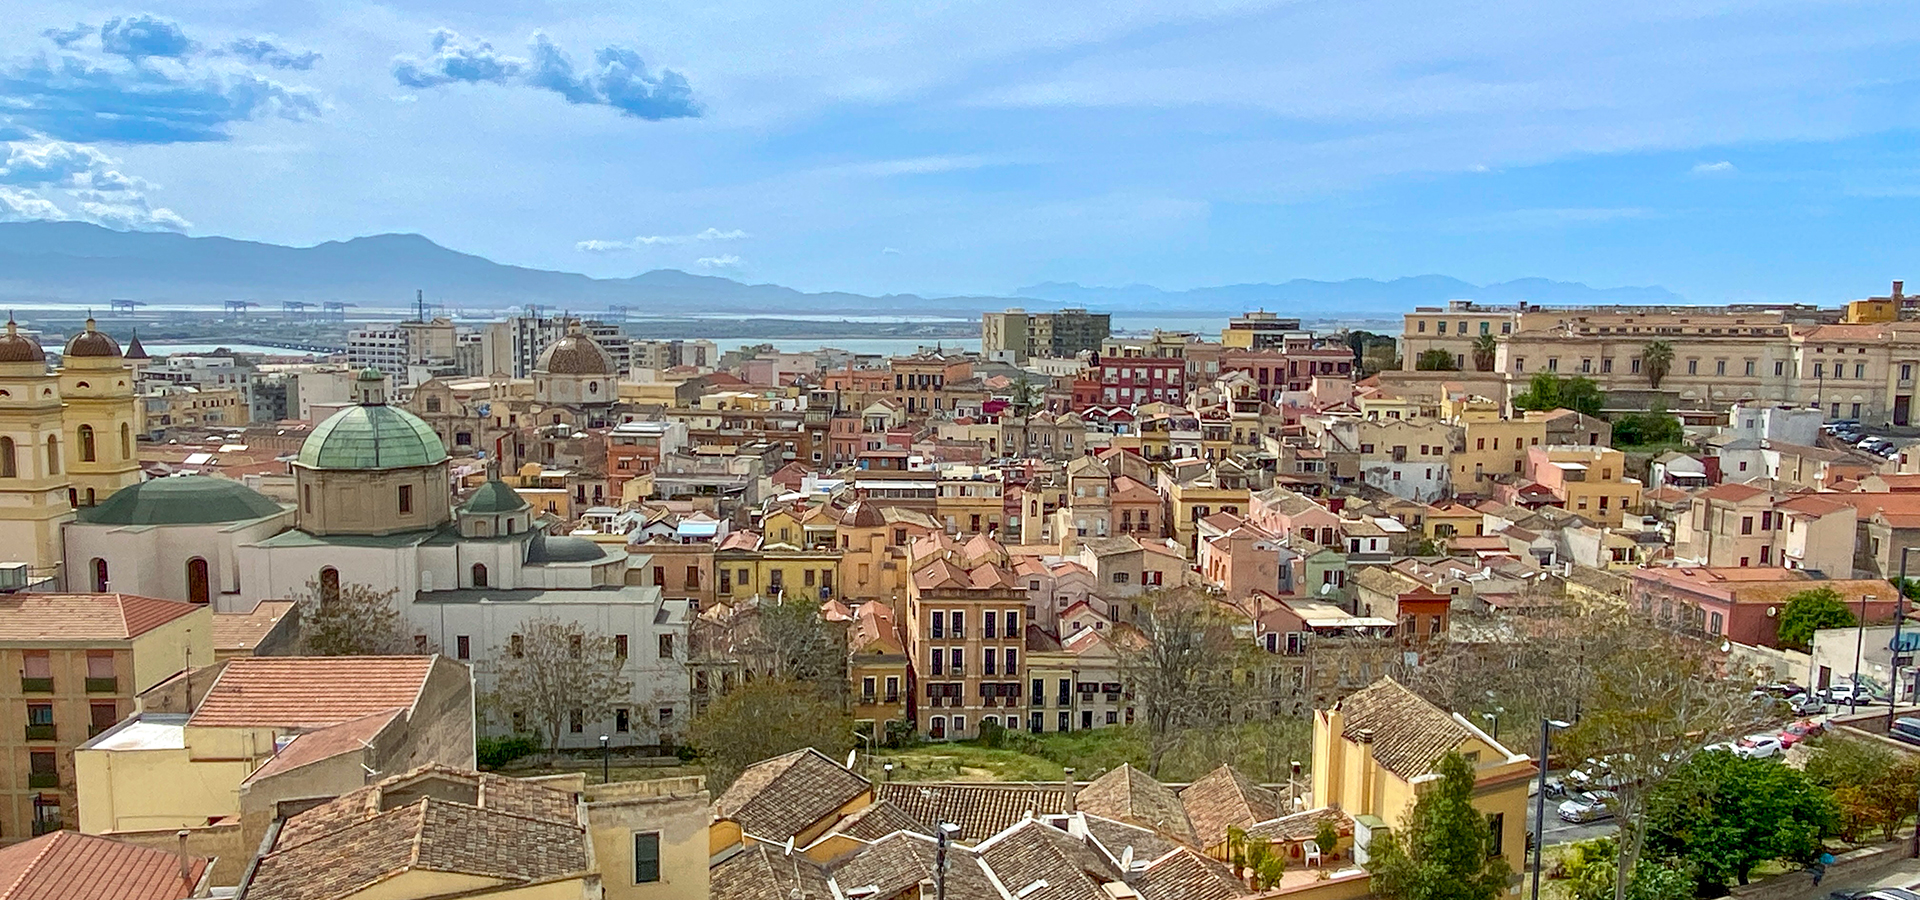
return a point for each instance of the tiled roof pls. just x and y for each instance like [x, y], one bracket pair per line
[245, 631]
[1118, 837]
[1409, 734]
[1039, 862]
[877, 820]
[85, 617]
[326, 743]
[1186, 874]
[1226, 798]
[777, 798]
[310, 691]
[980, 810]
[763, 872]
[68, 865]
[1302, 826]
[897, 863]
[1128, 795]
[1731, 492]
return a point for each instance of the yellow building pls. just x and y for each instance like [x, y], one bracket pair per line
[80, 659]
[1491, 446]
[1590, 482]
[33, 475]
[1373, 751]
[97, 384]
[877, 669]
[1221, 488]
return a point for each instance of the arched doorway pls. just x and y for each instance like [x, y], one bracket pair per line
[329, 584]
[99, 575]
[479, 575]
[198, 588]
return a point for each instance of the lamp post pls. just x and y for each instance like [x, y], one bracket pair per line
[1859, 648]
[1540, 804]
[1893, 647]
[1493, 721]
[606, 760]
[887, 769]
[947, 831]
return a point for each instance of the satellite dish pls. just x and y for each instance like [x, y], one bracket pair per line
[852, 757]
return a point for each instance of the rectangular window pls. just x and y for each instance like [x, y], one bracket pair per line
[937, 626]
[959, 624]
[986, 661]
[646, 857]
[463, 647]
[1749, 367]
[1719, 367]
[1553, 363]
[1013, 663]
[893, 688]
[1780, 368]
[622, 720]
[665, 715]
[576, 721]
[1013, 624]
[620, 646]
[1746, 524]
[664, 646]
[406, 498]
[1693, 367]
[937, 657]
[1496, 838]
[1606, 365]
[987, 622]
[99, 664]
[1859, 370]
[36, 664]
[957, 661]
[102, 716]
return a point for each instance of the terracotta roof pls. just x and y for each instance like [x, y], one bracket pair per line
[1409, 734]
[1187, 874]
[68, 865]
[1126, 794]
[764, 872]
[897, 863]
[1226, 798]
[85, 617]
[981, 810]
[310, 691]
[1302, 826]
[1039, 862]
[875, 821]
[1730, 492]
[327, 743]
[777, 798]
[245, 631]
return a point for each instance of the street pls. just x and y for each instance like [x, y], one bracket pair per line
[1560, 831]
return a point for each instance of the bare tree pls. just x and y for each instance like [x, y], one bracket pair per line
[354, 620]
[1192, 676]
[765, 719]
[554, 670]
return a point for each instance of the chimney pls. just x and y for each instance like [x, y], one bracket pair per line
[1898, 286]
[1071, 790]
[1365, 739]
[186, 862]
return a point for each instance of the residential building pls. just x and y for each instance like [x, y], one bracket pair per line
[1589, 481]
[1744, 604]
[1076, 683]
[1016, 335]
[1262, 330]
[69, 864]
[964, 636]
[878, 670]
[81, 661]
[1730, 525]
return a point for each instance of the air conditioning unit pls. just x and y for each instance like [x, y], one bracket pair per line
[13, 576]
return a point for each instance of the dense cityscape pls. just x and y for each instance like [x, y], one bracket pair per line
[1258, 612]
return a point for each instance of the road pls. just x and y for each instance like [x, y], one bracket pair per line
[1560, 831]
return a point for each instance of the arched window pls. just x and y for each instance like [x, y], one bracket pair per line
[479, 575]
[9, 465]
[99, 575]
[198, 590]
[86, 443]
[329, 584]
[53, 455]
[126, 441]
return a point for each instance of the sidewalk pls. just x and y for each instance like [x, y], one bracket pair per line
[1902, 874]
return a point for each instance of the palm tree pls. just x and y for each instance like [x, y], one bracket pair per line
[1658, 359]
[1484, 348]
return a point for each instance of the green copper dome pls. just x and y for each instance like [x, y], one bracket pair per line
[372, 437]
[180, 500]
[495, 496]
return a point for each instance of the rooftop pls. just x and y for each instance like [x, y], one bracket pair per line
[66, 618]
[68, 865]
[181, 500]
[310, 691]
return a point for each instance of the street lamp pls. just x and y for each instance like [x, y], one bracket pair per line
[1859, 648]
[947, 831]
[606, 761]
[1493, 721]
[1540, 803]
[887, 768]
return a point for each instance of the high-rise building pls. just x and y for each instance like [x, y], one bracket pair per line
[1017, 335]
[531, 334]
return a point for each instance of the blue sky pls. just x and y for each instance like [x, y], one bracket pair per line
[1735, 150]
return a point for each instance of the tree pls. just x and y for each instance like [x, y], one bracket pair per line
[354, 620]
[554, 671]
[1809, 611]
[797, 643]
[1656, 359]
[1726, 813]
[1546, 390]
[1485, 348]
[1656, 700]
[1873, 786]
[1654, 426]
[1022, 399]
[1435, 361]
[1590, 868]
[1189, 670]
[765, 719]
[1445, 850]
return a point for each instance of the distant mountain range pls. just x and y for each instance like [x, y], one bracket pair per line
[78, 262]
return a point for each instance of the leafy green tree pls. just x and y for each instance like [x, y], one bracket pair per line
[1654, 426]
[1485, 348]
[1445, 850]
[1546, 390]
[1873, 785]
[1435, 361]
[764, 719]
[1808, 612]
[1656, 359]
[1590, 868]
[1727, 814]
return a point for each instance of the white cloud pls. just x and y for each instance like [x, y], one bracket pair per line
[660, 240]
[102, 193]
[26, 206]
[1714, 168]
[890, 251]
[133, 215]
[727, 261]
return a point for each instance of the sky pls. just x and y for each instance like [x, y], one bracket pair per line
[1737, 150]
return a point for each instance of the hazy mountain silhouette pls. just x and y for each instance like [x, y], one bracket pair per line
[73, 261]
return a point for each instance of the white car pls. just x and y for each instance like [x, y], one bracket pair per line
[1757, 746]
[1587, 806]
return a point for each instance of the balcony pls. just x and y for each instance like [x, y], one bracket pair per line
[40, 732]
[43, 780]
[108, 685]
[46, 826]
[36, 685]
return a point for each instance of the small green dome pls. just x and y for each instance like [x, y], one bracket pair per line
[181, 500]
[495, 496]
[372, 437]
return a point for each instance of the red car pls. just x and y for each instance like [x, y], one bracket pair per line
[1800, 731]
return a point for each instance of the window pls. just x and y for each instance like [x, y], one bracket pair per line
[938, 657]
[987, 622]
[53, 456]
[406, 499]
[1012, 659]
[665, 714]
[959, 624]
[516, 646]
[1013, 624]
[86, 444]
[1496, 826]
[1746, 524]
[893, 688]
[479, 575]
[622, 720]
[1749, 367]
[463, 647]
[1553, 363]
[576, 721]
[1121, 577]
[1693, 367]
[665, 646]
[646, 857]
[938, 625]
[9, 466]
[959, 725]
[986, 661]
[1859, 370]
[102, 716]
[1780, 368]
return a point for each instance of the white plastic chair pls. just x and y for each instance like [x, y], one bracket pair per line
[1312, 852]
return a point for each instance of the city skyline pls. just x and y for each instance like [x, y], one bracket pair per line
[1726, 154]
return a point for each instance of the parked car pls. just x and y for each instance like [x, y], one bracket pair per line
[1786, 690]
[1841, 693]
[1800, 731]
[1807, 705]
[1905, 729]
[1758, 746]
[1594, 774]
[1587, 806]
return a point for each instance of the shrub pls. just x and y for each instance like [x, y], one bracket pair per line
[492, 752]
